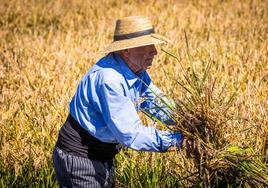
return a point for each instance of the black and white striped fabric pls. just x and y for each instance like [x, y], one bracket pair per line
[74, 171]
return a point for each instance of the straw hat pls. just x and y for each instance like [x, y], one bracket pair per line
[134, 31]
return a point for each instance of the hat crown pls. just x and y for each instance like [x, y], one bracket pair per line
[132, 24]
[132, 32]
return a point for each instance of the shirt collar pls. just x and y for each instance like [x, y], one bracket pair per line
[130, 77]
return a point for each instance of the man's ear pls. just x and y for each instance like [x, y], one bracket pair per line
[125, 52]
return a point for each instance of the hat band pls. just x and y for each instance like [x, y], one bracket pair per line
[133, 35]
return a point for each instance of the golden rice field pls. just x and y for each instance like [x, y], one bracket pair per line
[47, 46]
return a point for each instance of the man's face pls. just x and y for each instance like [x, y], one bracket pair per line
[140, 58]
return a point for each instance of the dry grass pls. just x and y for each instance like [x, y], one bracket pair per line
[47, 46]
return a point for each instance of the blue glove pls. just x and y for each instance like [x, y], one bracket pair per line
[179, 140]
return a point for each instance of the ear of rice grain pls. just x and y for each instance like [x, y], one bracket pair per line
[201, 116]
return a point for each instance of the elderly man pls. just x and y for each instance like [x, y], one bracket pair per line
[103, 111]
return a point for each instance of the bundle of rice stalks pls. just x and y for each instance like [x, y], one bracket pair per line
[202, 117]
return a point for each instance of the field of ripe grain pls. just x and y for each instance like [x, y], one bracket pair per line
[47, 46]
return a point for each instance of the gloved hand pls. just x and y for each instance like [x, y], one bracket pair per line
[179, 140]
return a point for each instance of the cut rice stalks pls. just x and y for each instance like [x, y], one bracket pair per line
[201, 115]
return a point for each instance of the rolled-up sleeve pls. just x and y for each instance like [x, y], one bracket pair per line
[122, 119]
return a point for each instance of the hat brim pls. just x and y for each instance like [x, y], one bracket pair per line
[135, 42]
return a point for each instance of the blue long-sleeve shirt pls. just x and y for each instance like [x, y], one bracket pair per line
[106, 104]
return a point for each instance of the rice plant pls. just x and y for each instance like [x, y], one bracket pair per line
[47, 46]
[202, 116]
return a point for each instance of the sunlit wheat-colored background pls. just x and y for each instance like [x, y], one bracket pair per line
[47, 46]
